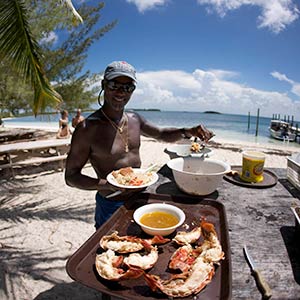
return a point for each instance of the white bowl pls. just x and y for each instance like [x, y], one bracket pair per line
[197, 176]
[183, 150]
[163, 207]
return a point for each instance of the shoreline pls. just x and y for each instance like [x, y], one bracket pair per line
[290, 146]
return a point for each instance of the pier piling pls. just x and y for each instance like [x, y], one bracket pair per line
[248, 120]
[257, 122]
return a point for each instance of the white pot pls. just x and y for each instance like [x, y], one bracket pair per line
[197, 176]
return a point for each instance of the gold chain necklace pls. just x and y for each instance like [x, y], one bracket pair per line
[113, 124]
[120, 129]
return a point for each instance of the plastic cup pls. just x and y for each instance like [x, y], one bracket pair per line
[253, 166]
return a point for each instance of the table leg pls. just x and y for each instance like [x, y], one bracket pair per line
[58, 153]
[11, 165]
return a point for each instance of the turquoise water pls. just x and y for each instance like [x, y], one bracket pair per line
[225, 126]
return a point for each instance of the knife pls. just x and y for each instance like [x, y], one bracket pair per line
[260, 281]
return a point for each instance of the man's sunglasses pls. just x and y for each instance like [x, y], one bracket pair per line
[114, 86]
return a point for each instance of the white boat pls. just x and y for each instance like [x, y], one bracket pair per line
[281, 130]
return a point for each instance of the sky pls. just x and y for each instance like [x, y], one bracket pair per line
[230, 56]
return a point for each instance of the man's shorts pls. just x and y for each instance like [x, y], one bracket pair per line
[104, 209]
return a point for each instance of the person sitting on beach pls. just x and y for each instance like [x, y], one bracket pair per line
[77, 118]
[110, 139]
[63, 130]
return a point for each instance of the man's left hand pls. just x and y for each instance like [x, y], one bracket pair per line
[202, 132]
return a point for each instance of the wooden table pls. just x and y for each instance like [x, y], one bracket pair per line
[262, 220]
[32, 152]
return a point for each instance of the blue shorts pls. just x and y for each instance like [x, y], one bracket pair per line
[104, 209]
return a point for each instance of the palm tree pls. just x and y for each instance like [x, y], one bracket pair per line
[19, 47]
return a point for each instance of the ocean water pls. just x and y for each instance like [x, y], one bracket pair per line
[225, 126]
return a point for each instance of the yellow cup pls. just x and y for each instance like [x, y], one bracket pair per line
[253, 166]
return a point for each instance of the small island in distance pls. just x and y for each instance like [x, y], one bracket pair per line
[212, 112]
[156, 109]
[145, 109]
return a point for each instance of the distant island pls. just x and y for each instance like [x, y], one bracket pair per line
[145, 109]
[212, 112]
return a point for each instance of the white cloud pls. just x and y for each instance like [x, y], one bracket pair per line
[296, 89]
[282, 77]
[204, 90]
[275, 14]
[51, 37]
[143, 5]
[222, 74]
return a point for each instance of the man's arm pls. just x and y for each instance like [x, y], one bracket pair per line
[73, 122]
[77, 158]
[173, 134]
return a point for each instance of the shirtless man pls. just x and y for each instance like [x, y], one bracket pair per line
[77, 118]
[110, 139]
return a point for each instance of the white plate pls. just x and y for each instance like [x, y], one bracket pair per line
[111, 179]
[185, 150]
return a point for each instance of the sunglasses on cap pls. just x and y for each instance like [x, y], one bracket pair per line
[114, 86]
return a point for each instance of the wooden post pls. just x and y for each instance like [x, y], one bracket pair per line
[257, 122]
[248, 120]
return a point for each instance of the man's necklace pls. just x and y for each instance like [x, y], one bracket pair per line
[120, 129]
[113, 124]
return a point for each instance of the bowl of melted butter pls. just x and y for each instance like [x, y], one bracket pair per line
[159, 218]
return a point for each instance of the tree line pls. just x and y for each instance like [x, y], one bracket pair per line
[55, 79]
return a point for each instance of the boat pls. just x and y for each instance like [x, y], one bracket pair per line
[281, 130]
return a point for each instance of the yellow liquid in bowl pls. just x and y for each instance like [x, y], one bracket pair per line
[159, 219]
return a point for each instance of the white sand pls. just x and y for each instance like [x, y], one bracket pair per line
[43, 222]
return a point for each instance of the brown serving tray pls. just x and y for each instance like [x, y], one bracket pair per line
[81, 267]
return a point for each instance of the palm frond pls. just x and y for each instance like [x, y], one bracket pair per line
[20, 48]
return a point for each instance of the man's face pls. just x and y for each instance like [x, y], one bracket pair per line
[117, 92]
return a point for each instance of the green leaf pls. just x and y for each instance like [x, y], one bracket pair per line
[20, 48]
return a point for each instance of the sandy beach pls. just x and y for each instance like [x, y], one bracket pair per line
[43, 222]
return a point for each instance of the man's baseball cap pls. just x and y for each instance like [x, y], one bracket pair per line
[119, 68]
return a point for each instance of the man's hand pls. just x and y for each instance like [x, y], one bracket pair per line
[105, 188]
[125, 194]
[201, 132]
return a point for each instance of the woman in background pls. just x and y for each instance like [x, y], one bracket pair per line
[64, 131]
